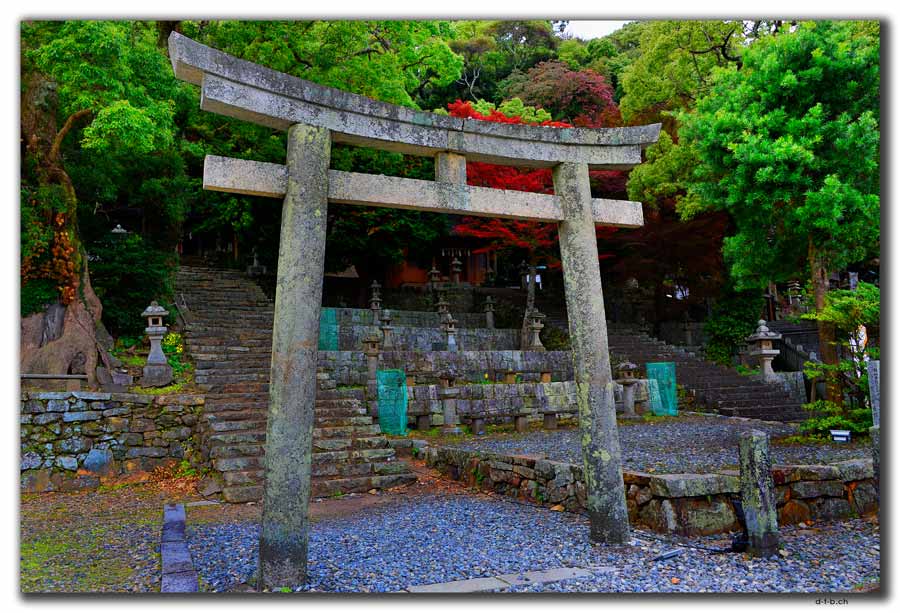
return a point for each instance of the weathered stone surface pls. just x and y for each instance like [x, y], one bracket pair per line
[815, 489]
[81, 416]
[254, 93]
[874, 368]
[36, 481]
[285, 526]
[30, 460]
[854, 470]
[757, 494]
[606, 505]
[782, 474]
[863, 497]
[99, 461]
[830, 508]
[794, 512]
[687, 485]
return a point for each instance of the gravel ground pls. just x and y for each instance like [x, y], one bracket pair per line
[685, 444]
[433, 539]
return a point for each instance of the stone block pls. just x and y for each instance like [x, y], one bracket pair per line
[147, 452]
[99, 462]
[67, 462]
[36, 481]
[863, 497]
[45, 418]
[58, 406]
[852, 470]
[830, 508]
[689, 485]
[176, 557]
[30, 460]
[77, 416]
[786, 473]
[815, 489]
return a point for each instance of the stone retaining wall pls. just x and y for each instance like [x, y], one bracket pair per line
[421, 319]
[428, 367]
[683, 504]
[78, 440]
[493, 402]
[417, 338]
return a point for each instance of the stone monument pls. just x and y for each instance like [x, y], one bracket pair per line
[157, 372]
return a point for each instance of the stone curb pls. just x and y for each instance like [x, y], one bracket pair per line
[178, 574]
[484, 584]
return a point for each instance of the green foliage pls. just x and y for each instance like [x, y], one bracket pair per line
[789, 146]
[746, 372]
[829, 416]
[847, 310]
[555, 339]
[733, 319]
[127, 274]
[36, 295]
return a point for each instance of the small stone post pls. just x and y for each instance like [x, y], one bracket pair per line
[489, 312]
[874, 368]
[372, 350]
[627, 378]
[448, 394]
[157, 372]
[256, 269]
[601, 454]
[284, 534]
[455, 270]
[758, 494]
[387, 329]
[763, 338]
[375, 302]
[688, 333]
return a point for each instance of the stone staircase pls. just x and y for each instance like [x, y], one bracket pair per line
[228, 332]
[713, 386]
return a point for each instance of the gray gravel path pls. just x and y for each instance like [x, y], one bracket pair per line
[447, 537]
[685, 444]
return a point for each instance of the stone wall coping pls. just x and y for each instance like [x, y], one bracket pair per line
[178, 399]
[680, 485]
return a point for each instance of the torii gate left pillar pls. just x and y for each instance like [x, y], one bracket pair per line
[284, 535]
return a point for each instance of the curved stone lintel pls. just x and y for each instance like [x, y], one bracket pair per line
[251, 92]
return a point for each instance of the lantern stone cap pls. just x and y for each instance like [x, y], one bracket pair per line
[626, 365]
[763, 333]
[154, 310]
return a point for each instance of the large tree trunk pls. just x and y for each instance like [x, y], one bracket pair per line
[827, 341]
[63, 339]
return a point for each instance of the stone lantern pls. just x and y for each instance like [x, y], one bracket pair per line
[455, 270]
[489, 312]
[627, 377]
[449, 326]
[387, 329]
[763, 339]
[537, 324]
[448, 394]
[443, 307]
[434, 277]
[375, 301]
[372, 349]
[157, 372]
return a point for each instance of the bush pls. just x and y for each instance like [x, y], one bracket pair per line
[829, 416]
[733, 319]
[127, 274]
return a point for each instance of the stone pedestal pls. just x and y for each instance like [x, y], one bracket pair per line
[758, 494]
[550, 421]
[521, 423]
[448, 397]
[628, 389]
[602, 457]
[284, 533]
[423, 422]
[489, 312]
[477, 426]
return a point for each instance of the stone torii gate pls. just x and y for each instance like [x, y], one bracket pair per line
[315, 117]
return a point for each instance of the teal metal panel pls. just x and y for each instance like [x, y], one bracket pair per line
[663, 374]
[328, 329]
[392, 401]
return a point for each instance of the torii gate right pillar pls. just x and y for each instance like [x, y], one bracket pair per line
[605, 489]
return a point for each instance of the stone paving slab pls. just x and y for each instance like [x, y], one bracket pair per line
[178, 574]
[484, 584]
[180, 582]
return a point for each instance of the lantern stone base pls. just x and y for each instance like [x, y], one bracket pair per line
[157, 375]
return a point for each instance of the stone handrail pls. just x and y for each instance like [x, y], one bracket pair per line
[244, 90]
